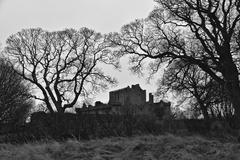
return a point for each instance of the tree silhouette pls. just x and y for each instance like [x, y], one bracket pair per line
[15, 101]
[64, 65]
[193, 85]
[201, 32]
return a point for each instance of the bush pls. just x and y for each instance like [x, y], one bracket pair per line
[15, 102]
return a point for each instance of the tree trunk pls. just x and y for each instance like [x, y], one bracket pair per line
[202, 106]
[234, 94]
[49, 107]
[231, 83]
[205, 113]
[60, 110]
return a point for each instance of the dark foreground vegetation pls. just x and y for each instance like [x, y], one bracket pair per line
[165, 147]
[60, 127]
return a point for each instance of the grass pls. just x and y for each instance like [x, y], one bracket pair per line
[164, 147]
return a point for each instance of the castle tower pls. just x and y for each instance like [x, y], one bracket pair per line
[150, 98]
[132, 95]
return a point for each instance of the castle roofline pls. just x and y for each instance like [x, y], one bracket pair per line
[120, 89]
[132, 86]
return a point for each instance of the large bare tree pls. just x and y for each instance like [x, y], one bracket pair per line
[64, 65]
[201, 32]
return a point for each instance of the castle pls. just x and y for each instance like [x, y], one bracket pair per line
[130, 97]
[134, 95]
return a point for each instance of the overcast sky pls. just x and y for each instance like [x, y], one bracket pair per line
[101, 15]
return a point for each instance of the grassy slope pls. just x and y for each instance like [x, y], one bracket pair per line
[164, 147]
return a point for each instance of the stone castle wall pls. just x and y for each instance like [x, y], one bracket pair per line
[134, 95]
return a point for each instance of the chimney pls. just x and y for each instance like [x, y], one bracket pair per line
[150, 98]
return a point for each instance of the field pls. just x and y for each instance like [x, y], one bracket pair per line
[164, 147]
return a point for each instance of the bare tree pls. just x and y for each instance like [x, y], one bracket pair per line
[15, 101]
[201, 32]
[64, 65]
[194, 86]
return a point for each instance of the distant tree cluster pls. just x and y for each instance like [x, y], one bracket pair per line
[205, 96]
[15, 101]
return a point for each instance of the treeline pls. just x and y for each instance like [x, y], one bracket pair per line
[198, 43]
[61, 127]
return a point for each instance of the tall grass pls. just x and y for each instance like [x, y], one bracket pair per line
[165, 147]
